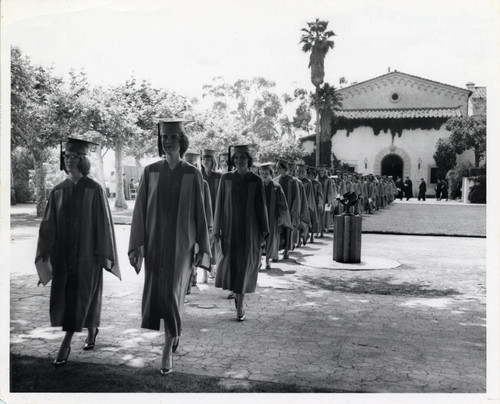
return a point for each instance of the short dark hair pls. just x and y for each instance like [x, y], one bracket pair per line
[250, 160]
[183, 142]
[83, 165]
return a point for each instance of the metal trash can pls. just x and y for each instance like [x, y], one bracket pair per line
[347, 238]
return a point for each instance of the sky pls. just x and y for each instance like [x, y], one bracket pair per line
[183, 45]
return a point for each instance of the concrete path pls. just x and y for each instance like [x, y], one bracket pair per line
[420, 327]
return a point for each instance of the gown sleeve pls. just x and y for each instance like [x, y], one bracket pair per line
[261, 210]
[46, 241]
[138, 228]
[105, 249]
[283, 212]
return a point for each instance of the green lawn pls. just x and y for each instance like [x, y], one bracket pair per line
[430, 219]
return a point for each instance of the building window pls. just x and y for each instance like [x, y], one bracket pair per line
[395, 97]
[434, 175]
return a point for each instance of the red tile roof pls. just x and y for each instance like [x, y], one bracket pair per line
[398, 113]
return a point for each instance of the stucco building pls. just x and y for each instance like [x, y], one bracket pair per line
[389, 125]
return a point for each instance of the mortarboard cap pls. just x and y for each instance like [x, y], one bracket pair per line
[208, 152]
[241, 149]
[322, 166]
[75, 145]
[268, 166]
[192, 158]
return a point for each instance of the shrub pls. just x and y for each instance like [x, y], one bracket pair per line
[454, 178]
[477, 192]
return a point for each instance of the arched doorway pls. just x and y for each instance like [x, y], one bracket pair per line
[392, 164]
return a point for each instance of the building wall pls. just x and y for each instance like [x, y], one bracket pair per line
[411, 146]
[413, 93]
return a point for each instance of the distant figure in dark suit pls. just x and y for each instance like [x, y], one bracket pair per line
[422, 189]
[400, 187]
[444, 189]
[408, 188]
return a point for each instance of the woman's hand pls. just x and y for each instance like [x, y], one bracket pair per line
[133, 259]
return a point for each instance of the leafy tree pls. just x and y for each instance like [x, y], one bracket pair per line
[33, 94]
[326, 100]
[445, 157]
[250, 102]
[477, 192]
[469, 133]
[455, 177]
[316, 39]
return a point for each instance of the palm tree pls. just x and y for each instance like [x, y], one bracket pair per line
[326, 101]
[317, 41]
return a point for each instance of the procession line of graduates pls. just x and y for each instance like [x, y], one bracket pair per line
[185, 217]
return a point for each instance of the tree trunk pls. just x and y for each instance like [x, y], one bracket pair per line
[120, 197]
[13, 200]
[41, 201]
[318, 133]
[137, 162]
[100, 168]
[477, 158]
[326, 138]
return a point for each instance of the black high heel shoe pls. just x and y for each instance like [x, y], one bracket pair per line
[61, 362]
[88, 346]
[166, 371]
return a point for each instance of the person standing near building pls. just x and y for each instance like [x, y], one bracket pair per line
[76, 242]
[399, 188]
[277, 211]
[126, 189]
[241, 226]
[422, 189]
[168, 221]
[408, 188]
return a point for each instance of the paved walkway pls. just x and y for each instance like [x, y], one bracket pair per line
[420, 327]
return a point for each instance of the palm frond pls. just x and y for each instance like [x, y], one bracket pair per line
[307, 47]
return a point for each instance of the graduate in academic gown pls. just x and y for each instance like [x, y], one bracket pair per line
[212, 177]
[309, 204]
[328, 198]
[168, 221]
[195, 160]
[318, 198]
[223, 162]
[241, 226]
[277, 210]
[76, 241]
[291, 190]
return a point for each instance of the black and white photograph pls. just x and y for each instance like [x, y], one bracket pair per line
[266, 201]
